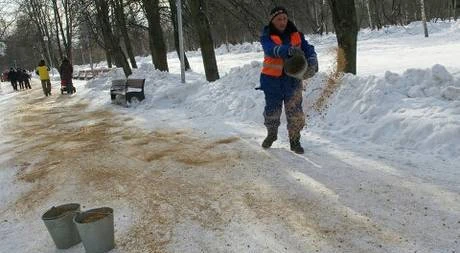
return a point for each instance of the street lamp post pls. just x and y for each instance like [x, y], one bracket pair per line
[45, 38]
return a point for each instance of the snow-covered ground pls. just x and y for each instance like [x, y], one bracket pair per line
[380, 171]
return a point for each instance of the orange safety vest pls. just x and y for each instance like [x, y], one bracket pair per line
[273, 66]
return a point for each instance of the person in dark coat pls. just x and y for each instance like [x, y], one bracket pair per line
[12, 75]
[20, 77]
[281, 40]
[66, 71]
[26, 79]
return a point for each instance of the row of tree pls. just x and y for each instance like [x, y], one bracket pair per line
[118, 30]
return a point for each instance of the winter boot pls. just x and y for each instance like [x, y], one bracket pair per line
[272, 135]
[295, 144]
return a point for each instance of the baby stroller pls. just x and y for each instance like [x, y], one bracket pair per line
[67, 87]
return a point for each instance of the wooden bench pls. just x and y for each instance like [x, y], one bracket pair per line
[129, 90]
[89, 74]
[81, 75]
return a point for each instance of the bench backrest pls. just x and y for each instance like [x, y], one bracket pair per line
[89, 74]
[119, 83]
[135, 83]
[81, 74]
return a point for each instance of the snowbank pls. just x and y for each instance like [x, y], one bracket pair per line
[418, 110]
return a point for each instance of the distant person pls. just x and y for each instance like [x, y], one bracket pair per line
[20, 77]
[43, 71]
[26, 79]
[12, 75]
[281, 40]
[66, 71]
[4, 76]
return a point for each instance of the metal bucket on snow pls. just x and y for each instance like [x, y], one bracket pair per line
[59, 222]
[96, 229]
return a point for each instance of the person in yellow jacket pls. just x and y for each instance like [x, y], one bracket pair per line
[43, 71]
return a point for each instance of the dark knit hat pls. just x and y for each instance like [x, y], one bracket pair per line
[276, 11]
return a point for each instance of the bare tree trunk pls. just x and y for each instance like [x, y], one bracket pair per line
[157, 43]
[369, 14]
[38, 11]
[66, 36]
[324, 17]
[201, 23]
[108, 57]
[456, 9]
[58, 26]
[315, 11]
[58, 40]
[122, 28]
[111, 43]
[346, 27]
[69, 26]
[422, 11]
[377, 20]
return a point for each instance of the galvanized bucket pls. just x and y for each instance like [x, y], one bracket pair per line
[296, 66]
[96, 229]
[59, 222]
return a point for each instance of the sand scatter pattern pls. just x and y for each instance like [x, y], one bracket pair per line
[156, 180]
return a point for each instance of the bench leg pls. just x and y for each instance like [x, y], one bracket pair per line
[138, 96]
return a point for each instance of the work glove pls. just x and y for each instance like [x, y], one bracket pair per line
[295, 51]
[313, 61]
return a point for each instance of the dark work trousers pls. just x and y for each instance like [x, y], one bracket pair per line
[292, 100]
[46, 85]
